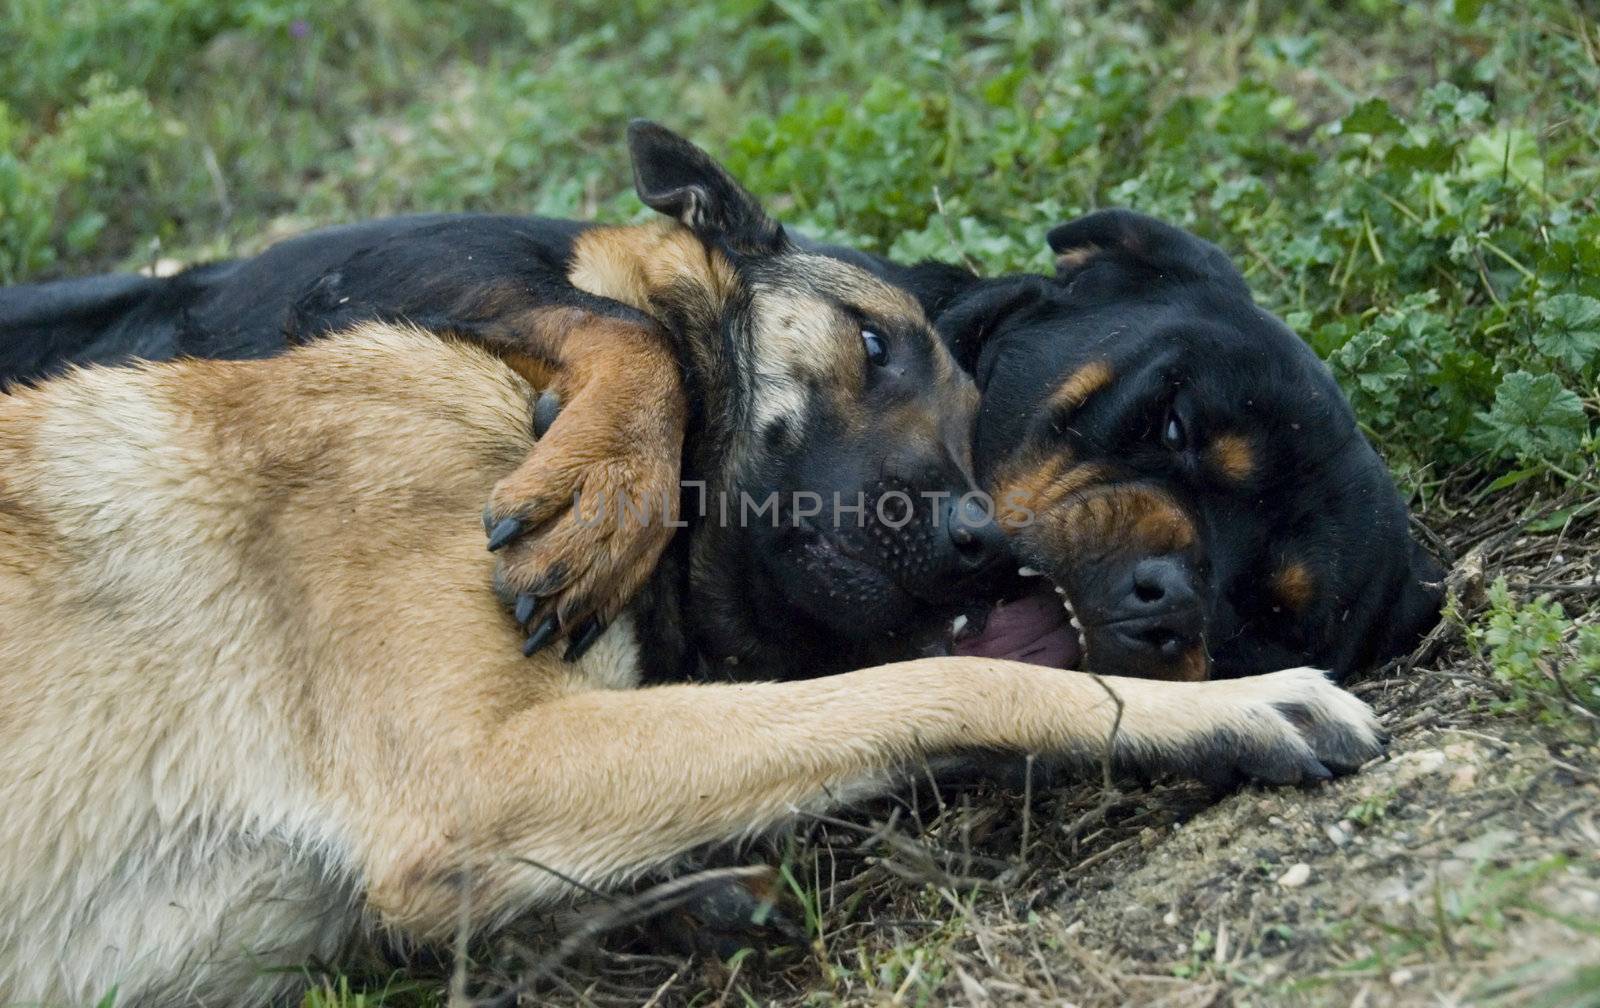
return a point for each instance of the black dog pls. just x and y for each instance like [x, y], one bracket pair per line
[1178, 463]
[1201, 495]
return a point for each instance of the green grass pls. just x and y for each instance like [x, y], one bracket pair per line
[1547, 663]
[1411, 185]
[1467, 922]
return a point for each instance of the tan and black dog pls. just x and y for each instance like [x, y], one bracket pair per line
[256, 691]
[1204, 497]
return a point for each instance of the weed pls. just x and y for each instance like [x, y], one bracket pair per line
[1548, 662]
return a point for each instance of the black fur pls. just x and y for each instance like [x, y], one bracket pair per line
[1176, 322]
[1169, 310]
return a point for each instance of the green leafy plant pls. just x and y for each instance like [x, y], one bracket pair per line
[1549, 663]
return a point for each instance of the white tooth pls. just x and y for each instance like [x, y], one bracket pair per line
[1028, 572]
[1061, 591]
[1073, 621]
[958, 624]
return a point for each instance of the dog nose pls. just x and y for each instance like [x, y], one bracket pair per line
[1161, 583]
[1161, 610]
[977, 537]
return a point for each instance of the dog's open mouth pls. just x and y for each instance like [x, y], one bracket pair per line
[1038, 627]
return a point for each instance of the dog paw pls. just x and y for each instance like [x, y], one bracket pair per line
[1289, 727]
[578, 527]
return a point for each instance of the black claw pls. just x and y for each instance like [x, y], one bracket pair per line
[526, 604]
[587, 634]
[540, 637]
[507, 530]
[545, 410]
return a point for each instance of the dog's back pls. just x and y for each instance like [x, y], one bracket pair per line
[242, 308]
[182, 558]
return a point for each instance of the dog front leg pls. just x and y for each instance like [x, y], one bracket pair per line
[580, 524]
[595, 788]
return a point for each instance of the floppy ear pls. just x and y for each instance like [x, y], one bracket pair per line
[1146, 245]
[1393, 623]
[674, 177]
[1422, 596]
[969, 321]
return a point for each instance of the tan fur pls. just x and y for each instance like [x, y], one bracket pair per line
[1080, 385]
[1066, 508]
[635, 263]
[619, 433]
[1232, 456]
[1295, 585]
[255, 692]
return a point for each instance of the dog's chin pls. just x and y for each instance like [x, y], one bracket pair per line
[854, 598]
[1037, 626]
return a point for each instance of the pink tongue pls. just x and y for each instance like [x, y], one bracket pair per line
[1032, 629]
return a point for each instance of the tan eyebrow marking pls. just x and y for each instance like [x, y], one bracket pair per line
[1080, 385]
[1232, 455]
[1294, 585]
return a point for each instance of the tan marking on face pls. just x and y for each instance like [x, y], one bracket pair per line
[804, 338]
[1058, 510]
[1232, 455]
[1294, 585]
[1080, 385]
[799, 340]
[1147, 521]
[1037, 484]
[1062, 509]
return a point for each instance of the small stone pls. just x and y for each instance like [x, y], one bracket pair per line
[1337, 833]
[1428, 761]
[1401, 977]
[1297, 876]
[1171, 918]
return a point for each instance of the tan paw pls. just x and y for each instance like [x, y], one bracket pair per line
[579, 526]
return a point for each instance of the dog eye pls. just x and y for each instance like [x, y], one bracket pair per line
[877, 347]
[1173, 436]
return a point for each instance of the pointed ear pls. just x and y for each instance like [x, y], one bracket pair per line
[1148, 247]
[969, 321]
[676, 178]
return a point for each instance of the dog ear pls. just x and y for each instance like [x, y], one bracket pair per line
[676, 178]
[969, 321]
[1420, 598]
[1394, 621]
[1148, 248]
